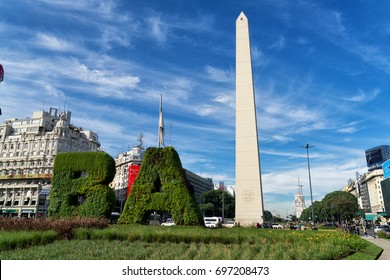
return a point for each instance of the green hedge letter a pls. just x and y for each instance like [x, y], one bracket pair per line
[161, 186]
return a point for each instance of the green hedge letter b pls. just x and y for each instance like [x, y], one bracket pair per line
[80, 185]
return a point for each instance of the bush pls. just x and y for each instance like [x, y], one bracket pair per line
[23, 239]
[65, 228]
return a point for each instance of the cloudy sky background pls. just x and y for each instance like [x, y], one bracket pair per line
[321, 73]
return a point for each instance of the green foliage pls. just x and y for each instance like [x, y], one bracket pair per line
[267, 216]
[200, 243]
[213, 201]
[80, 185]
[337, 205]
[161, 186]
[22, 239]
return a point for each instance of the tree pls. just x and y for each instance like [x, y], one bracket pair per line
[293, 218]
[307, 213]
[340, 205]
[267, 216]
[206, 208]
[216, 200]
[335, 206]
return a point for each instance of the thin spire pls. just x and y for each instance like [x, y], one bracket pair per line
[161, 127]
[299, 187]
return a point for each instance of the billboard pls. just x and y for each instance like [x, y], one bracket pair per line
[376, 156]
[386, 169]
[132, 175]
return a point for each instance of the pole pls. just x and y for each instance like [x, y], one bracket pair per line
[223, 205]
[311, 192]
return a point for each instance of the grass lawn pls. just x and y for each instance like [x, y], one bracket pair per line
[136, 242]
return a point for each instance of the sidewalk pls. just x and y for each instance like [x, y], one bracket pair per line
[383, 243]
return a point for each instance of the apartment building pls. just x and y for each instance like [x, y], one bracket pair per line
[27, 151]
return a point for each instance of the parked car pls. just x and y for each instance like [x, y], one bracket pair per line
[229, 224]
[212, 222]
[168, 223]
[381, 228]
[277, 226]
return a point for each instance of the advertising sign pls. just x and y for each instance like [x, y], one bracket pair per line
[386, 169]
[132, 175]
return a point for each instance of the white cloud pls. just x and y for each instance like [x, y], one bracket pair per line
[52, 42]
[258, 58]
[177, 89]
[159, 30]
[113, 36]
[206, 110]
[279, 44]
[219, 75]
[227, 100]
[348, 130]
[106, 78]
[363, 96]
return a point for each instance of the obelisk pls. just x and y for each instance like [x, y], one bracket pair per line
[249, 194]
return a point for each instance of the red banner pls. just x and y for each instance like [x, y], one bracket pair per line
[132, 175]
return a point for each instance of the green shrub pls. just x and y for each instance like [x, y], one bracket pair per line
[23, 239]
[381, 234]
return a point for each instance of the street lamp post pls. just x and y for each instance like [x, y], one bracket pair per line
[311, 192]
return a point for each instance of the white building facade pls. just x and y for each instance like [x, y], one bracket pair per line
[372, 181]
[126, 163]
[27, 151]
[299, 200]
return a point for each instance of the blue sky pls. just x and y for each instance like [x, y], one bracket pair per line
[321, 72]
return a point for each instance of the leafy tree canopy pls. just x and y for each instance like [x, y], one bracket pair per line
[335, 206]
[214, 201]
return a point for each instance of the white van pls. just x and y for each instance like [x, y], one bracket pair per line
[212, 222]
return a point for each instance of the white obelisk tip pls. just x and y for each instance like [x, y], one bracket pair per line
[242, 17]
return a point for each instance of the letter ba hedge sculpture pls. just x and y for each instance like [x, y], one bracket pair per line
[80, 185]
[161, 185]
